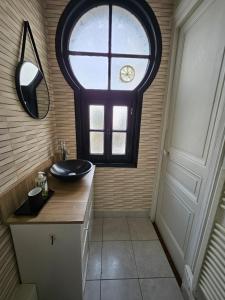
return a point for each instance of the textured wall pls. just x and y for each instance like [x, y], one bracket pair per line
[24, 142]
[177, 2]
[116, 188]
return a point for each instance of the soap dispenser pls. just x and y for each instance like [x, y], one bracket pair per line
[41, 181]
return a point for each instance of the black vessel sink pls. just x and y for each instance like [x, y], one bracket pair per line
[71, 170]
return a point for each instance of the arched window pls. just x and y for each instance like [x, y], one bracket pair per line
[109, 52]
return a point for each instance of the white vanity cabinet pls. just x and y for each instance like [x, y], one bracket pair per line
[54, 255]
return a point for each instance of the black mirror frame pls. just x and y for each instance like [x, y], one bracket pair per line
[27, 30]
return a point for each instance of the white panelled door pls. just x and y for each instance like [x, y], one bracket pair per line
[195, 111]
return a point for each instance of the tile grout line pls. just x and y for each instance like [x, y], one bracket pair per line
[102, 280]
[133, 252]
[129, 278]
[101, 260]
[128, 227]
[134, 258]
[152, 240]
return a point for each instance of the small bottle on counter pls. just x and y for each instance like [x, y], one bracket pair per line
[41, 181]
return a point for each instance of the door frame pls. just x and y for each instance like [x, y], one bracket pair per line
[214, 194]
[182, 12]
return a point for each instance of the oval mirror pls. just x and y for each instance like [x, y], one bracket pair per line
[32, 89]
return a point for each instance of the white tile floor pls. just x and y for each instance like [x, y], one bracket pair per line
[127, 262]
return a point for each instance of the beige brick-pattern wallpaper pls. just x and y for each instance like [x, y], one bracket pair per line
[117, 188]
[24, 142]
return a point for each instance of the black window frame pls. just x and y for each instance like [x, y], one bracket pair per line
[83, 97]
[108, 100]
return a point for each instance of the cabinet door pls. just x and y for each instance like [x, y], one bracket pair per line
[86, 230]
[50, 257]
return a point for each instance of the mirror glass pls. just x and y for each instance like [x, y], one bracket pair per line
[32, 89]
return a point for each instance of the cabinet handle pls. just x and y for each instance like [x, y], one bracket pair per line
[52, 236]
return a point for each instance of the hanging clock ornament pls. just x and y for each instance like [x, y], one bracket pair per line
[127, 73]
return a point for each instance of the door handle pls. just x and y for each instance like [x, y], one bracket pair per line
[166, 152]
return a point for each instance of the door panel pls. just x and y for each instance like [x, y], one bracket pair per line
[198, 78]
[189, 181]
[195, 108]
[181, 224]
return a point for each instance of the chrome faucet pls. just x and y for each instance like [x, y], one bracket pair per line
[64, 152]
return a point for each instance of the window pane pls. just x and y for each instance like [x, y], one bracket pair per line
[120, 117]
[96, 116]
[85, 68]
[96, 142]
[138, 65]
[128, 35]
[91, 31]
[119, 143]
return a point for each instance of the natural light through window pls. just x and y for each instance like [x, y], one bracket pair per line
[120, 115]
[109, 52]
[108, 44]
[96, 118]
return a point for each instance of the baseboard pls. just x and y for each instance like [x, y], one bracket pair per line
[187, 284]
[25, 292]
[187, 295]
[121, 213]
[177, 276]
